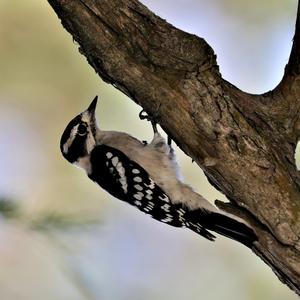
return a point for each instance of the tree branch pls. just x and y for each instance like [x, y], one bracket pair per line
[289, 88]
[244, 143]
[293, 66]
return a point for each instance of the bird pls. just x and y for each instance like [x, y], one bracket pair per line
[146, 176]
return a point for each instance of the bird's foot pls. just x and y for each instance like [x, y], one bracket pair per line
[143, 115]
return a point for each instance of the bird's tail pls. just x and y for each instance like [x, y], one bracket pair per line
[224, 225]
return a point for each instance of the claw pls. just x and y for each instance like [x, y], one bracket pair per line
[144, 116]
[153, 123]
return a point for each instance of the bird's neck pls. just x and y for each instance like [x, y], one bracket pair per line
[84, 163]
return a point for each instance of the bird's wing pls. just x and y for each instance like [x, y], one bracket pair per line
[129, 182]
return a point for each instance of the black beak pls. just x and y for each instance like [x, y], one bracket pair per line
[91, 109]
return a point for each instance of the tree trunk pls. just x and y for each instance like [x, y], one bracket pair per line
[244, 143]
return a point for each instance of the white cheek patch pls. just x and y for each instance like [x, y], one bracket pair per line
[70, 140]
[65, 148]
[90, 142]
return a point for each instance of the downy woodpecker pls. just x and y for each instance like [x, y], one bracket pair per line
[145, 176]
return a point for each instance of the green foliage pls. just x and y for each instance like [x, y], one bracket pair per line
[8, 208]
[54, 221]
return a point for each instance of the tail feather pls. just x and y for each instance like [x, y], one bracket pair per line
[226, 226]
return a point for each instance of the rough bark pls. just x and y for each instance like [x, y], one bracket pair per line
[244, 143]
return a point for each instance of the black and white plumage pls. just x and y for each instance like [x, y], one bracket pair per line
[145, 176]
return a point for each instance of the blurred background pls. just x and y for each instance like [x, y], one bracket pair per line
[61, 237]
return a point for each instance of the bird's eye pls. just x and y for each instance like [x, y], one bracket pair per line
[82, 129]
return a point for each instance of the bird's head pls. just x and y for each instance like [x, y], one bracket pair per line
[79, 137]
